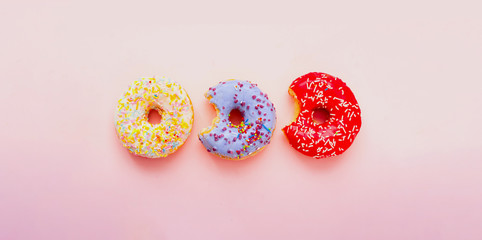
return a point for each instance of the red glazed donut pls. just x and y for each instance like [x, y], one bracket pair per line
[332, 137]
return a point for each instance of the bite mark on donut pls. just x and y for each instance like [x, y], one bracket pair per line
[243, 139]
[333, 136]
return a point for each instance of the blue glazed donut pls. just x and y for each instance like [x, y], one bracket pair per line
[237, 142]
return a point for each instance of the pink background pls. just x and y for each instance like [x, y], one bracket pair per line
[414, 171]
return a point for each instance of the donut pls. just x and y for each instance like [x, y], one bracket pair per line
[236, 142]
[134, 130]
[315, 91]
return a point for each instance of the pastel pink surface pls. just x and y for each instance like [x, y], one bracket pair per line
[413, 172]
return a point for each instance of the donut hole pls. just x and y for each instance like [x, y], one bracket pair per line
[320, 115]
[154, 116]
[236, 117]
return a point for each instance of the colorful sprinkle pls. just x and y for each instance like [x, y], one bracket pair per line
[254, 135]
[143, 138]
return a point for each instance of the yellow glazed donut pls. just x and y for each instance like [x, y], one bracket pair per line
[154, 140]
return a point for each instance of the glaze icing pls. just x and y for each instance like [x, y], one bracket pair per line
[320, 90]
[237, 142]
